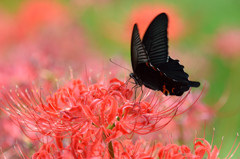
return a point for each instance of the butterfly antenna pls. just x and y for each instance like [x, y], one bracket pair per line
[119, 65]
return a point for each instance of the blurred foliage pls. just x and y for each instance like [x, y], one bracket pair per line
[10, 5]
[206, 18]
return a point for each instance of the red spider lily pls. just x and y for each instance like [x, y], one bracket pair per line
[94, 115]
[141, 149]
[202, 149]
[127, 149]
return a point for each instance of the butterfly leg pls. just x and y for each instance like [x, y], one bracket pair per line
[134, 87]
[135, 91]
[133, 82]
[141, 95]
[126, 83]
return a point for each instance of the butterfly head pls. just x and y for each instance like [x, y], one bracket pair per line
[136, 79]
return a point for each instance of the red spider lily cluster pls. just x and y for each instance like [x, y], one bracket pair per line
[40, 31]
[98, 120]
[29, 40]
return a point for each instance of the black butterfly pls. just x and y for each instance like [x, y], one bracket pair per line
[152, 67]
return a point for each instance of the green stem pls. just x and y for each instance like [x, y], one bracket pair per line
[110, 149]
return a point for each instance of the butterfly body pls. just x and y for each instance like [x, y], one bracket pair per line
[152, 67]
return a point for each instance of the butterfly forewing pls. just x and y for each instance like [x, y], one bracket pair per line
[155, 40]
[138, 53]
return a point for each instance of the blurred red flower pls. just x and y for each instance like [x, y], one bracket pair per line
[183, 127]
[227, 42]
[36, 14]
[84, 3]
[9, 133]
[145, 13]
[6, 34]
[40, 42]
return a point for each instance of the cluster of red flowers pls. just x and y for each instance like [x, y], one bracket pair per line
[98, 120]
[38, 32]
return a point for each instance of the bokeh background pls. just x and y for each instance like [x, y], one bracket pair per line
[41, 39]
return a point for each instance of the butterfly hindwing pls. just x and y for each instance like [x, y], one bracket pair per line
[174, 70]
[138, 53]
[155, 40]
